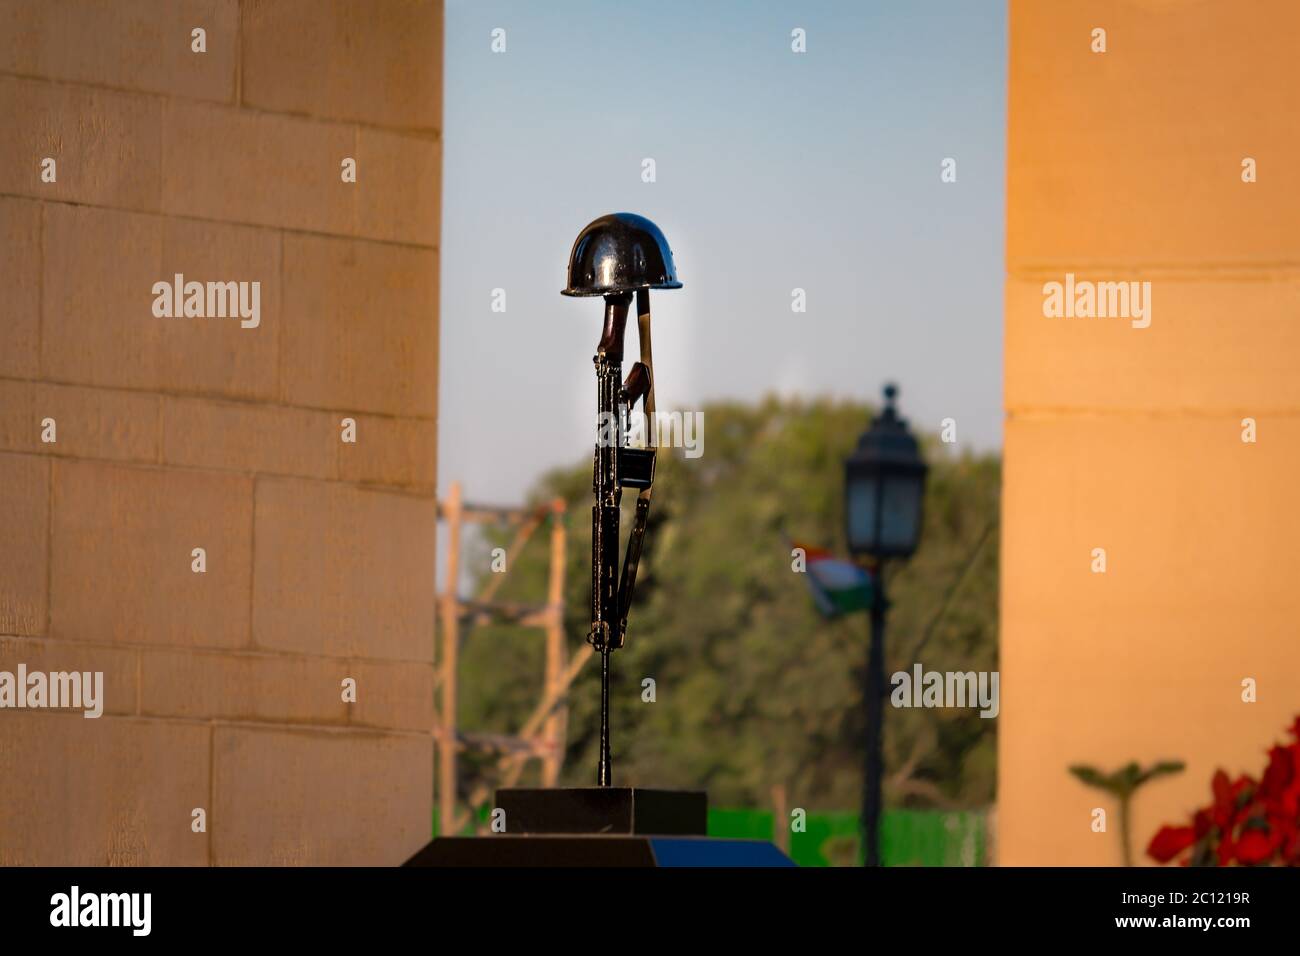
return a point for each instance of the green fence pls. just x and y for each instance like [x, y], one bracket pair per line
[907, 837]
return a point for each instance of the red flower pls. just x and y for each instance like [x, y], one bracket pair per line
[1277, 777]
[1243, 791]
[1202, 823]
[1223, 809]
[1291, 849]
[1225, 850]
[1247, 823]
[1286, 833]
[1221, 788]
[1291, 795]
[1255, 846]
[1170, 842]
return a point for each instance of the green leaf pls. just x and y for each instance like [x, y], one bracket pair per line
[1092, 777]
[1162, 769]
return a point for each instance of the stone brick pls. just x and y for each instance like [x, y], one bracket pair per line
[346, 59]
[121, 569]
[117, 791]
[360, 326]
[399, 187]
[380, 786]
[89, 422]
[120, 666]
[99, 325]
[266, 439]
[131, 44]
[105, 144]
[175, 162]
[343, 571]
[20, 306]
[1210, 345]
[24, 543]
[392, 451]
[219, 355]
[248, 687]
[248, 167]
[393, 695]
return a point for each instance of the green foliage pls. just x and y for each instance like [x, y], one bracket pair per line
[753, 687]
[1124, 781]
[1122, 784]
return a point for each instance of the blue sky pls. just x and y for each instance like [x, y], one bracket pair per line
[775, 171]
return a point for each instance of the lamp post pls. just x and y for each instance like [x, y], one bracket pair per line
[884, 484]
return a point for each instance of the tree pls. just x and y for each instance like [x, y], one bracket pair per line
[753, 687]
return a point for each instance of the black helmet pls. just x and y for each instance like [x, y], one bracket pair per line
[621, 252]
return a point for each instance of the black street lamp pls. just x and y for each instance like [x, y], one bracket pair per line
[884, 484]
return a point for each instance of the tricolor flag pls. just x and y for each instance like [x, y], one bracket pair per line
[838, 586]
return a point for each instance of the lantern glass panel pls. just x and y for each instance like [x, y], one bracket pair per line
[900, 514]
[861, 504]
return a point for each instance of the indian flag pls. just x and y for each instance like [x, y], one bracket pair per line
[838, 586]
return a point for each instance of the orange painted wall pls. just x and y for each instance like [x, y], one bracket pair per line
[1127, 165]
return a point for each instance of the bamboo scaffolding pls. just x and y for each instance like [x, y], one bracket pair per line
[542, 736]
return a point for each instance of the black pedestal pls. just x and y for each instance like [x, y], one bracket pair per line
[541, 850]
[613, 810]
[600, 826]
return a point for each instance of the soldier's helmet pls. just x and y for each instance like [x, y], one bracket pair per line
[621, 252]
